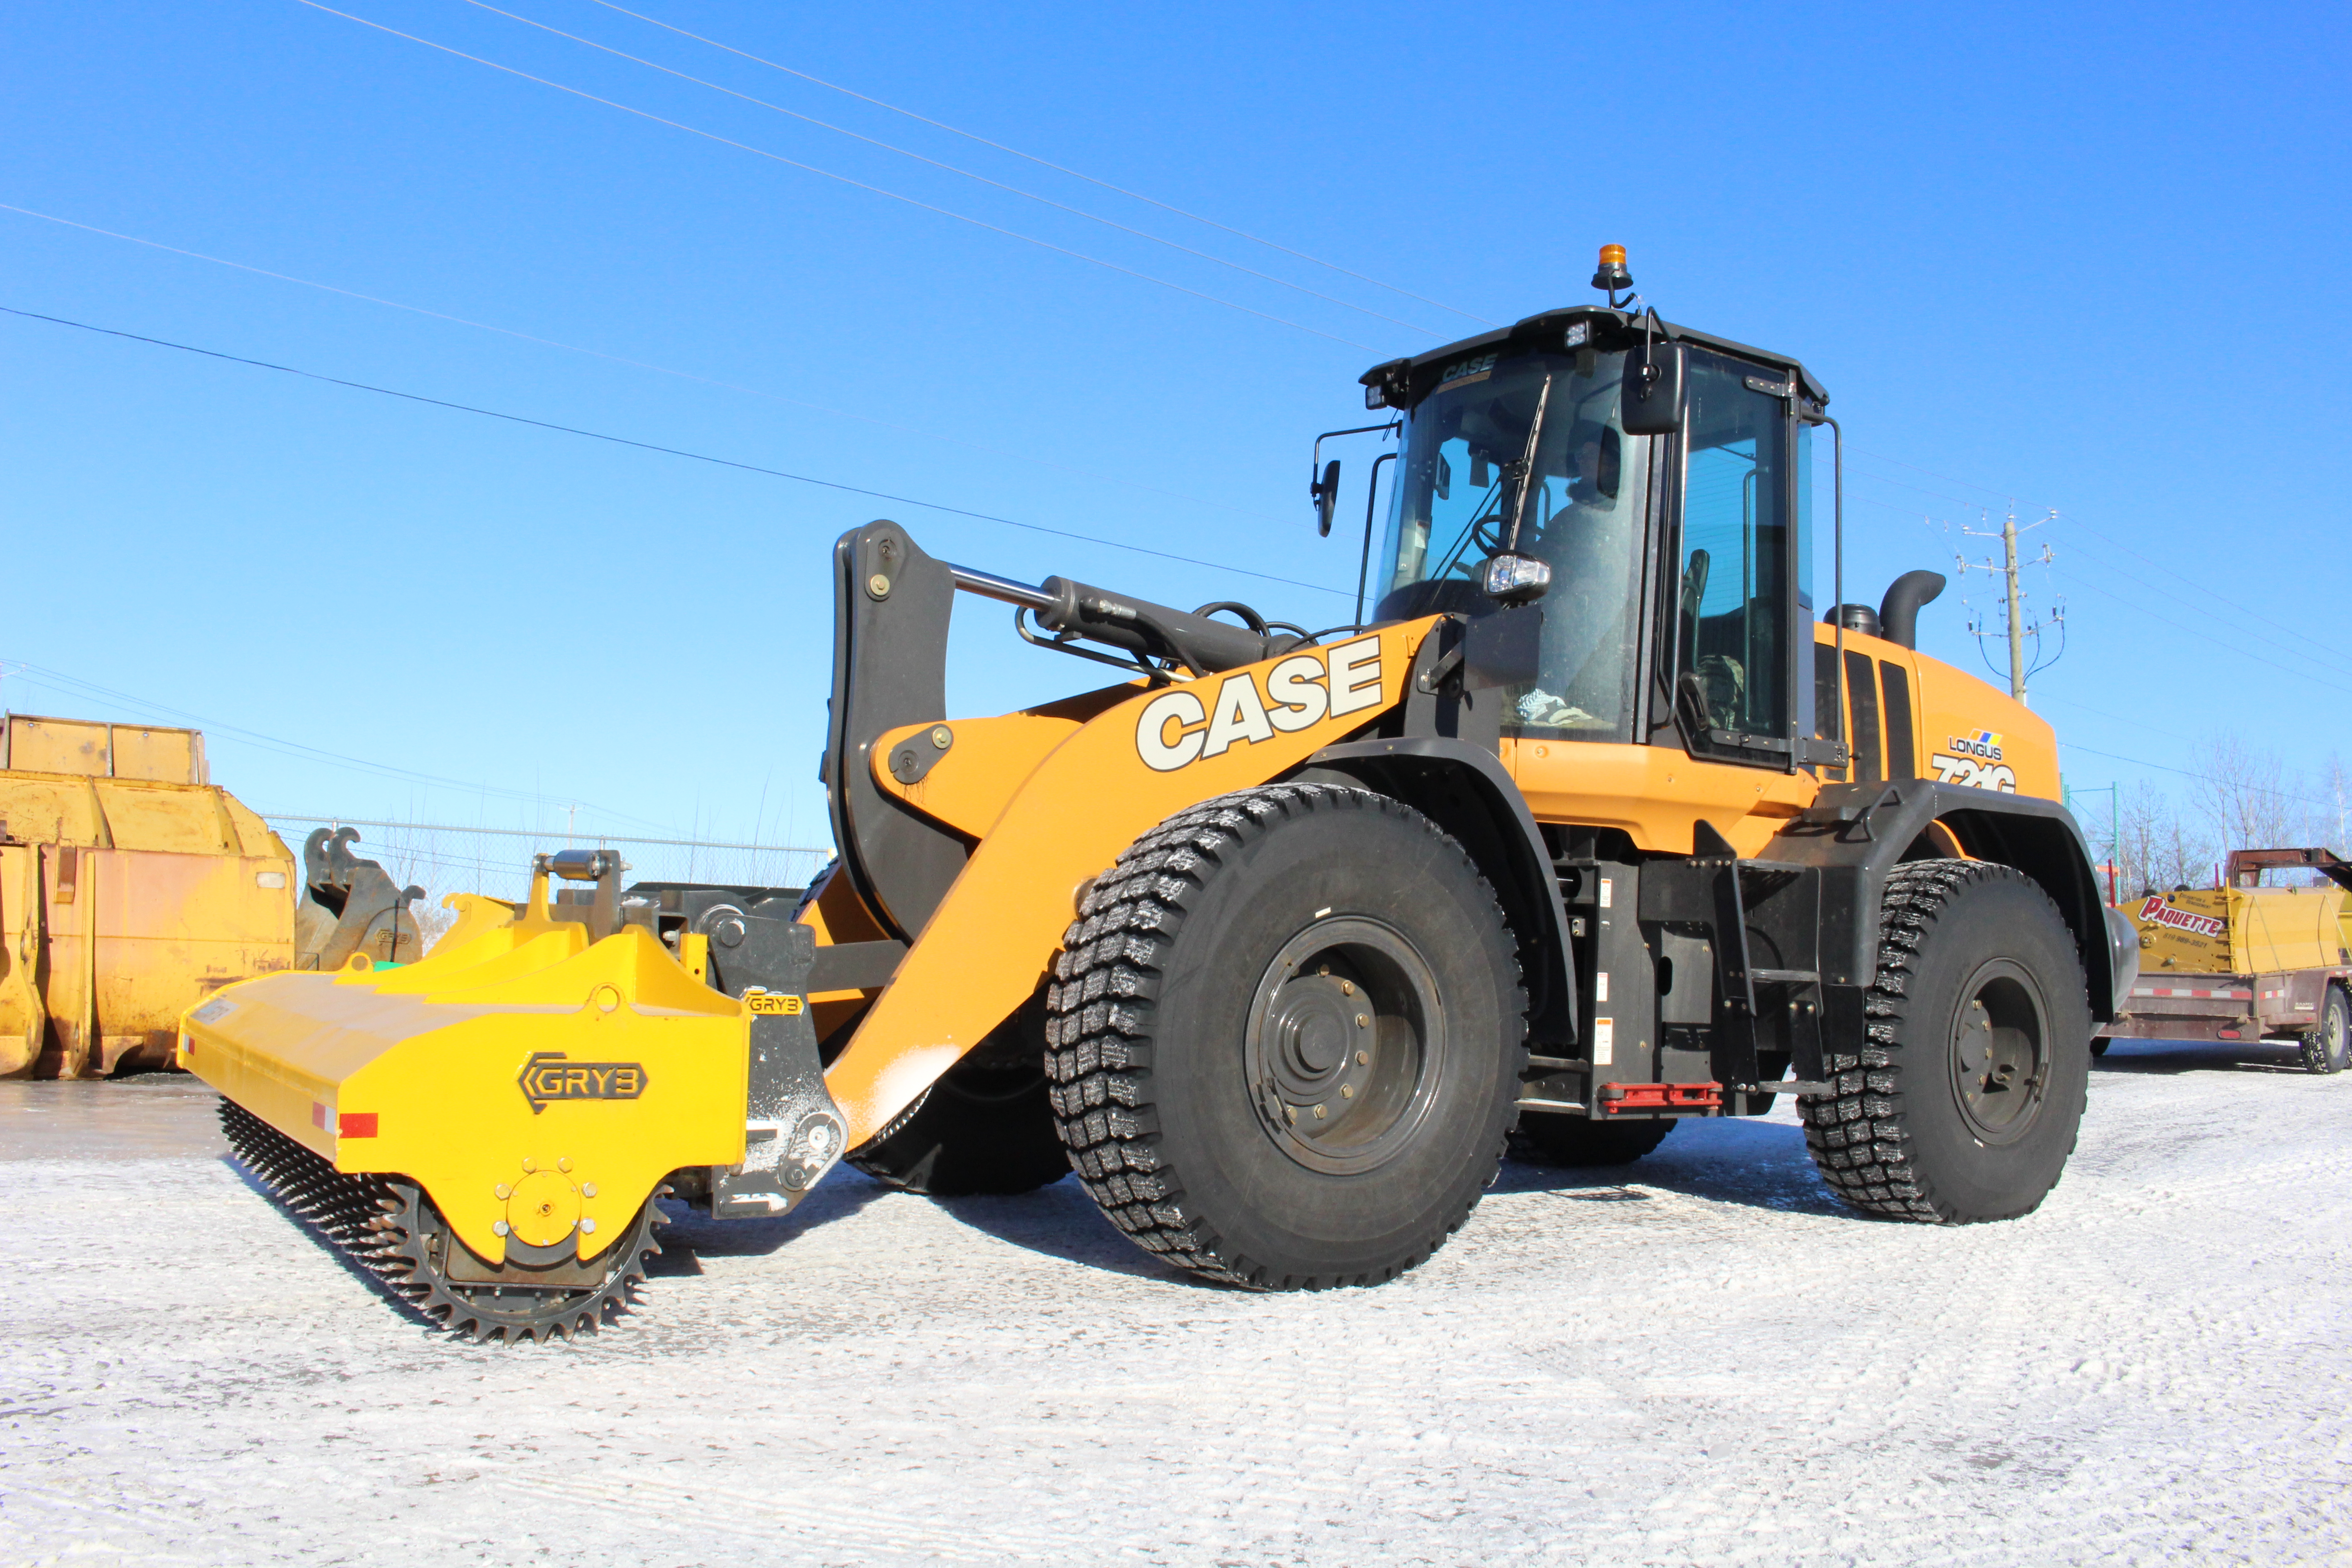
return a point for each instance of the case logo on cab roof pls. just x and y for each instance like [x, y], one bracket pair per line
[1178, 729]
[549, 1076]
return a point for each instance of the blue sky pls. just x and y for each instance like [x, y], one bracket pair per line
[2087, 259]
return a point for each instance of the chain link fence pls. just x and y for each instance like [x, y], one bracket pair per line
[496, 862]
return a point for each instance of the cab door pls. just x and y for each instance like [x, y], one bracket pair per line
[1737, 578]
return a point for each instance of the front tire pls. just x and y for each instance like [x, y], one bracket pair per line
[2328, 1048]
[1963, 1102]
[1286, 1037]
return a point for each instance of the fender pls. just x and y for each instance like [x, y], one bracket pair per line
[1463, 789]
[1856, 832]
[986, 941]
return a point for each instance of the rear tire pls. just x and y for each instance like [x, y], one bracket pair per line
[1287, 1039]
[2328, 1048]
[1574, 1143]
[1963, 1102]
[985, 1128]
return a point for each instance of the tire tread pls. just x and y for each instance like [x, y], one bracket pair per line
[1857, 1134]
[1105, 983]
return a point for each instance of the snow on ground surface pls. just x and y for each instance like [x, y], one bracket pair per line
[1698, 1359]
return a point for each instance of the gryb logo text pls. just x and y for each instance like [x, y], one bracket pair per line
[1181, 726]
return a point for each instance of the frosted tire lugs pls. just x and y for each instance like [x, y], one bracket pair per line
[1574, 1142]
[2328, 1048]
[1963, 1101]
[984, 1128]
[1255, 958]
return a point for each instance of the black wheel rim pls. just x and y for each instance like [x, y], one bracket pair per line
[2000, 1053]
[1345, 1044]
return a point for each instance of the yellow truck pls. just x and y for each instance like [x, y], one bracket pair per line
[132, 888]
[2242, 962]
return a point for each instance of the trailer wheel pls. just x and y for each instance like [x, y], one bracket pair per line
[2328, 1048]
[1963, 1101]
[985, 1128]
[1285, 1038]
[1574, 1142]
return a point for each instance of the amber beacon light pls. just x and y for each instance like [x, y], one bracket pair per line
[1611, 275]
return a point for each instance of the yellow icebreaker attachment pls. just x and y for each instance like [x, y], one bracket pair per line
[529, 1080]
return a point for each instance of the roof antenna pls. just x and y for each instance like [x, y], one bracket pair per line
[1611, 275]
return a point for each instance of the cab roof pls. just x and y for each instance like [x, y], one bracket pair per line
[1406, 380]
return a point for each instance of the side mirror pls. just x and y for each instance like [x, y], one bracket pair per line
[1326, 492]
[1654, 388]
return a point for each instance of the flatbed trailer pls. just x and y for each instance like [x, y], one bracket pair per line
[2243, 961]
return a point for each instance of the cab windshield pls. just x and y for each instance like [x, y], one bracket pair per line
[1578, 489]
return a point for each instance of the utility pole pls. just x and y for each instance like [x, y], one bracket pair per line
[2013, 600]
[2016, 621]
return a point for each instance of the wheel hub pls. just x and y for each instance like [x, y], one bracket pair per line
[1344, 1041]
[2000, 1053]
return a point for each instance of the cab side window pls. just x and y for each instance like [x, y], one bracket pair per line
[1732, 631]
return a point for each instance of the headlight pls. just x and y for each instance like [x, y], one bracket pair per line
[1516, 579]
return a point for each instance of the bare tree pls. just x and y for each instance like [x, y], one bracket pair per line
[2247, 795]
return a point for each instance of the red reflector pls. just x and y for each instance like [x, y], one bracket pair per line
[1619, 1097]
[358, 1123]
[318, 1114]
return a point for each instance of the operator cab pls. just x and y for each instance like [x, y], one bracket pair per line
[1665, 556]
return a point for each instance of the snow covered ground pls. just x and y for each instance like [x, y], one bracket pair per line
[1700, 1359]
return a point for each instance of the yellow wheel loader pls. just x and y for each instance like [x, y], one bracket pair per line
[1586, 827]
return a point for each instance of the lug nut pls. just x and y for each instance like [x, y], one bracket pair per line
[588, 1227]
[1347, 1091]
[1290, 1113]
[505, 1191]
[1363, 1058]
[1347, 988]
[498, 1228]
[1320, 1113]
[587, 1189]
[563, 1165]
[529, 1163]
[1361, 1021]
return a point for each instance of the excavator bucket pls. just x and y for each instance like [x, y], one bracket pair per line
[349, 905]
[487, 1127]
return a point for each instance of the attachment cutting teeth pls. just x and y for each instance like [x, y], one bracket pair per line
[391, 1227]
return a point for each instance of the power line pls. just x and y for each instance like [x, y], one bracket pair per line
[2188, 773]
[665, 451]
[623, 359]
[951, 168]
[2072, 521]
[2227, 643]
[43, 676]
[1046, 163]
[840, 178]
